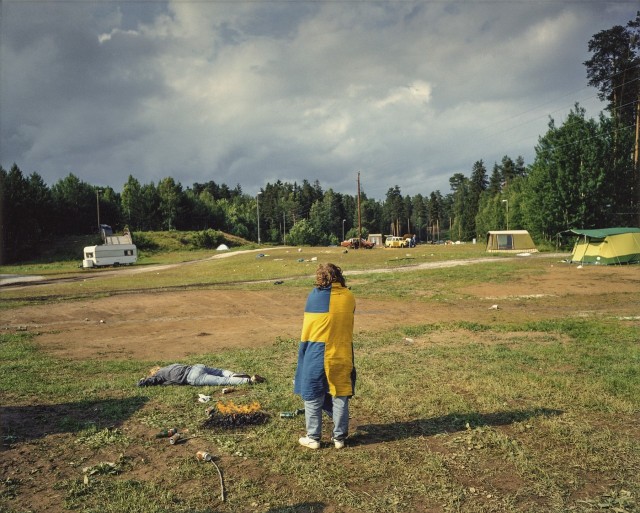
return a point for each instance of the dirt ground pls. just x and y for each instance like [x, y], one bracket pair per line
[173, 325]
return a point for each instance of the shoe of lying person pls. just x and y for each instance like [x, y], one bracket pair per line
[257, 379]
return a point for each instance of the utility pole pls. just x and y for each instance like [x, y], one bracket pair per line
[359, 217]
[636, 155]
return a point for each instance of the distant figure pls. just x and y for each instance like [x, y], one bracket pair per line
[196, 375]
[326, 375]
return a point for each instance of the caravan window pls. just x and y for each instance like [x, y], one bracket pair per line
[128, 252]
[88, 255]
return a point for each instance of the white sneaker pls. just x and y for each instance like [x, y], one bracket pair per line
[309, 442]
[339, 444]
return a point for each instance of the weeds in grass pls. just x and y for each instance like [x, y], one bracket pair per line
[94, 438]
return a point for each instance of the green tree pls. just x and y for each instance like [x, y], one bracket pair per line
[420, 215]
[477, 185]
[75, 206]
[170, 194]
[305, 196]
[491, 214]
[302, 234]
[150, 209]
[614, 69]
[495, 180]
[507, 170]
[110, 207]
[520, 168]
[464, 208]
[567, 184]
[459, 193]
[278, 210]
[371, 214]
[25, 214]
[407, 212]
[132, 203]
[393, 211]
[237, 215]
[436, 214]
[326, 218]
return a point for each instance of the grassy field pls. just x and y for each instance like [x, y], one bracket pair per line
[536, 416]
[251, 267]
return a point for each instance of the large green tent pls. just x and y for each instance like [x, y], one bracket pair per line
[606, 246]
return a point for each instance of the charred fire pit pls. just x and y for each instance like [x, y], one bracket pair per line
[231, 415]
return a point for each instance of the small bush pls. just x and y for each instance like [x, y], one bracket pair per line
[207, 239]
[143, 241]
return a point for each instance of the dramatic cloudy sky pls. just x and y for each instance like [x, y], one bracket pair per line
[249, 92]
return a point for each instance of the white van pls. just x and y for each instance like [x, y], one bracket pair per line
[110, 254]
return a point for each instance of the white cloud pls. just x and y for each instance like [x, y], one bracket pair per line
[412, 95]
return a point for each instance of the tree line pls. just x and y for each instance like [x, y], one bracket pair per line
[585, 174]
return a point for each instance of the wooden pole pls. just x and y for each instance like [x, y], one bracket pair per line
[359, 217]
[636, 154]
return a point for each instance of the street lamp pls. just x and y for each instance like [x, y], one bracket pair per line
[258, 209]
[507, 202]
[343, 228]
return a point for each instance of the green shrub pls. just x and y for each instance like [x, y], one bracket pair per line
[143, 241]
[207, 239]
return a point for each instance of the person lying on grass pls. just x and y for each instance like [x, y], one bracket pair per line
[196, 375]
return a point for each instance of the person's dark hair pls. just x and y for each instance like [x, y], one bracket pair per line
[326, 274]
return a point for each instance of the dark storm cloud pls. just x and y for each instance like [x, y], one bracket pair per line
[246, 93]
[66, 97]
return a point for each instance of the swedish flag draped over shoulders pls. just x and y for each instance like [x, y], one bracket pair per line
[325, 354]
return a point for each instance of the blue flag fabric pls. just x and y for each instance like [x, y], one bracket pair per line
[325, 352]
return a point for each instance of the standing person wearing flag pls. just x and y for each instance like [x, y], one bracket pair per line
[326, 375]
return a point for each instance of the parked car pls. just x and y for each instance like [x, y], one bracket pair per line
[395, 242]
[354, 244]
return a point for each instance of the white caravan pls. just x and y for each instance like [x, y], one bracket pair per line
[110, 254]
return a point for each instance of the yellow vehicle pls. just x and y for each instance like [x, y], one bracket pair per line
[395, 242]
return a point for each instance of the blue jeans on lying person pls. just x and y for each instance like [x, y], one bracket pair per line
[201, 375]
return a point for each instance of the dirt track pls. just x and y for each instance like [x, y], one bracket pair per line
[176, 324]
